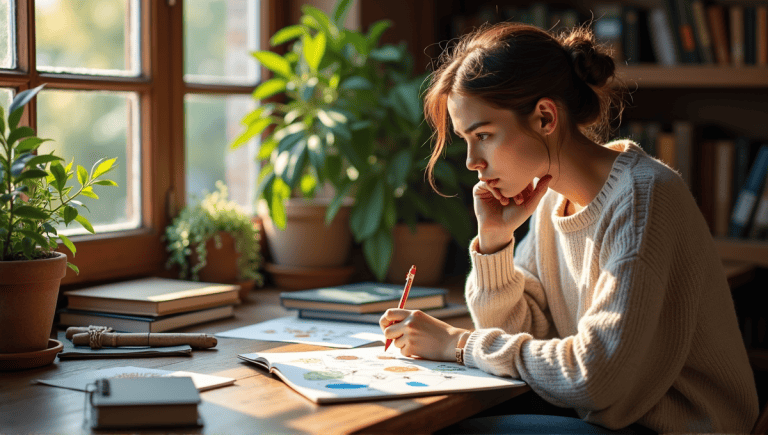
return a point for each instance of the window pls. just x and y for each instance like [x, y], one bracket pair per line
[159, 84]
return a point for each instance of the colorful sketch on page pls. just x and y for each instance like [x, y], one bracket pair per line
[295, 330]
[342, 375]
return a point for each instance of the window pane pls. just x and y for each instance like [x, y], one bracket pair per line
[6, 96]
[212, 123]
[88, 37]
[219, 36]
[7, 46]
[89, 126]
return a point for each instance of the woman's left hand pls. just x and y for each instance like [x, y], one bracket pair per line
[419, 334]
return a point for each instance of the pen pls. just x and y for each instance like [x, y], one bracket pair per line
[403, 298]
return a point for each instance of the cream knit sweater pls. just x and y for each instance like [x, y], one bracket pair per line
[621, 311]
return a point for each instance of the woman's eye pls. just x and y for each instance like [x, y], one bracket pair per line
[482, 136]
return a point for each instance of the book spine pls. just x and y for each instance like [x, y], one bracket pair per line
[608, 28]
[539, 14]
[723, 179]
[749, 34]
[683, 131]
[706, 196]
[720, 42]
[736, 13]
[632, 36]
[741, 164]
[747, 199]
[759, 228]
[703, 38]
[689, 51]
[761, 31]
[662, 40]
[652, 130]
[665, 148]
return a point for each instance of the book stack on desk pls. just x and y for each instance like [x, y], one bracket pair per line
[366, 302]
[149, 304]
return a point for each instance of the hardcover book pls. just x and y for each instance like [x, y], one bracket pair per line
[152, 297]
[131, 323]
[365, 297]
[450, 310]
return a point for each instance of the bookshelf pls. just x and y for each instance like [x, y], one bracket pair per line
[694, 76]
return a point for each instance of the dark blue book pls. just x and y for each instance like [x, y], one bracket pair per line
[741, 161]
[363, 297]
[745, 203]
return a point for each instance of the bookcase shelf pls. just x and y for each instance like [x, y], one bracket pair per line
[693, 76]
[752, 251]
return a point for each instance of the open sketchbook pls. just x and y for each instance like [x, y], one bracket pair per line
[370, 373]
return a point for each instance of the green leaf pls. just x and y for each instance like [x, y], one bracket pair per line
[314, 49]
[82, 175]
[103, 168]
[388, 53]
[356, 82]
[20, 133]
[378, 252]
[59, 175]
[287, 33]
[390, 211]
[274, 62]
[408, 103]
[31, 174]
[367, 213]
[84, 222]
[68, 243]
[337, 201]
[88, 191]
[252, 130]
[280, 192]
[322, 20]
[2, 121]
[455, 217]
[296, 164]
[20, 163]
[23, 97]
[30, 212]
[325, 118]
[43, 158]
[73, 267]
[105, 183]
[14, 118]
[269, 88]
[375, 32]
[357, 40]
[399, 168]
[266, 148]
[340, 12]
[316, 152]
[38, 238]
[445, 174]
[69, 214]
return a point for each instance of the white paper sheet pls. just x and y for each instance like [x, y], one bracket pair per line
[78, 382]
[324, 333]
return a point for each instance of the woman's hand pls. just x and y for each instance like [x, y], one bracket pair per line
[419, 334]
[498, 217]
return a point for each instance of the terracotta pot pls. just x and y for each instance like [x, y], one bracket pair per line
[28, 293]
[220, 263]
[426, 248]
[307, 241]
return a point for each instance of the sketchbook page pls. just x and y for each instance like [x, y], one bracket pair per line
[319, 332]
[370, 373]
[78, 382]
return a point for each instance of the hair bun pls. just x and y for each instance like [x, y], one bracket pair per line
[590, 62]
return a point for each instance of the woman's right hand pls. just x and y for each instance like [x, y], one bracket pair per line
[498, 216]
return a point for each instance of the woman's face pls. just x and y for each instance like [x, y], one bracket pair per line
[497, 148]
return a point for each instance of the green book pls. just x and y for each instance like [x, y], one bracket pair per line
[364, 297]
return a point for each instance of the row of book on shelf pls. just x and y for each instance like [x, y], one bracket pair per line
[668, 33]
[160, 304]
[728, 175]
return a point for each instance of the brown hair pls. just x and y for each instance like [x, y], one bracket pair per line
[512, 66]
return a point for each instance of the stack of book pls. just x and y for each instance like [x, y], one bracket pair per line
[366, 302]
[149, 304]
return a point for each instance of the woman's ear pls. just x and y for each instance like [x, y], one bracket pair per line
[545, 116]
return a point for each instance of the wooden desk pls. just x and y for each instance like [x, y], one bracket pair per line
[257, 403]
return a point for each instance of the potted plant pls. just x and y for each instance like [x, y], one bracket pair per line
[214, 240]
[35, 200]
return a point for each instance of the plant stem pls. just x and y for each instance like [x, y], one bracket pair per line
[9, 154]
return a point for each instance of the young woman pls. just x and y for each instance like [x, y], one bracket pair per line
[615, 303]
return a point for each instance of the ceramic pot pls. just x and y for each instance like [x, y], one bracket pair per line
[426, 248]
[306, 240]
[220, 263]
[28, 293]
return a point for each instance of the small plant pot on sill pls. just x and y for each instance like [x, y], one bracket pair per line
[426, 248]
[28, 293]
[221, 264]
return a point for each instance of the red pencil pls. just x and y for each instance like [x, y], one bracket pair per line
[403, 298]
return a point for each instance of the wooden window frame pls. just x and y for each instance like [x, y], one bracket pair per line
[161, 89]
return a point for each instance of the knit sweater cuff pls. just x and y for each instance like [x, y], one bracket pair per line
[493, 270]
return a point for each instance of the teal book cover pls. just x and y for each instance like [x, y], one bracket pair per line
[363, 297]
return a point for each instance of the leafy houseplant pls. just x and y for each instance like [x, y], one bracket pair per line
[215, 217]
[34, 200]
[351, 116]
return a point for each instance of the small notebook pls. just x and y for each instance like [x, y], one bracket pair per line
[144, 402]
[370, 373]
